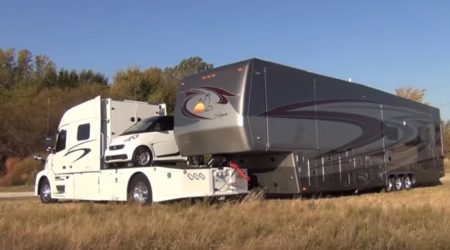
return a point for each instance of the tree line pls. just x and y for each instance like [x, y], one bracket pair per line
[34, 94]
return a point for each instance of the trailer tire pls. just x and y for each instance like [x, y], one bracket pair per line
[45, 193]
[139, 190]
[398, 183]
[390, 184]
[407, 182]
[142, 156]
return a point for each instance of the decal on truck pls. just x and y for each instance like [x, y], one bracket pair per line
[74, 149]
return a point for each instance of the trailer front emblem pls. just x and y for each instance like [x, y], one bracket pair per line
[203, 101]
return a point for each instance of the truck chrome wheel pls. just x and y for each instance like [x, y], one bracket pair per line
[140, 191]
[142, 156]
[45, 192]
[407, 182]
[398, 183]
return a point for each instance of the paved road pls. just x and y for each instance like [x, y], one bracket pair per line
[4, 195]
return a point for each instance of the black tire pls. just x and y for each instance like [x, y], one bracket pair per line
[139, 190]
[398, 183]
[407, 182]
[390, 185]
[142, 156]
[45, 192]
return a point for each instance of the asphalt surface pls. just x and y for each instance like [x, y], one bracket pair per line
[5, 195]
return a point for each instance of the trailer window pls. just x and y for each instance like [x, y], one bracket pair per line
[437, 132]
[391, 133]
[83, 132]
[61, 141]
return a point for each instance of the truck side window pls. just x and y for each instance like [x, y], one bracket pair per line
[83, 132]
[61, 141]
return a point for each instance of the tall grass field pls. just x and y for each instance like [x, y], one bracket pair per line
[415, 219]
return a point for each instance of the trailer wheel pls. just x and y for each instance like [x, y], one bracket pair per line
[142, 156]
[139, 190]
[390, 184]
[398, 183]
[45, 192]
[407, 182]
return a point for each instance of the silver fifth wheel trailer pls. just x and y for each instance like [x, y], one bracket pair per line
[297, 132]
[76, 170]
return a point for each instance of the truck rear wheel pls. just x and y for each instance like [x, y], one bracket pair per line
[142, 156]
[45, 192]
[139, 190]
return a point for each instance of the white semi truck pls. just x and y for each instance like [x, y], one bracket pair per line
[75, 169]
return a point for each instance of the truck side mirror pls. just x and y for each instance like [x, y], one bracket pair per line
[48, 142]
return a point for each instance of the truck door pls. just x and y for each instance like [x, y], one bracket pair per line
[58, 163]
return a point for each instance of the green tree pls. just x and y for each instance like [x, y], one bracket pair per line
[44, 74]
[190, 66]
[23, 67]
[131, 84]
[411, 93]
[91, 77]
[167, 91]
[7, 62]
[24, 124]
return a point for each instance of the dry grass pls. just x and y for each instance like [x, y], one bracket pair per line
[416, 219]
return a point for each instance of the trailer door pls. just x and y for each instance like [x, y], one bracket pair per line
[257, 116]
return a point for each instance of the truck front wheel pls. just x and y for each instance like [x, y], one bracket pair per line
[139, 190]
[45, 192]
